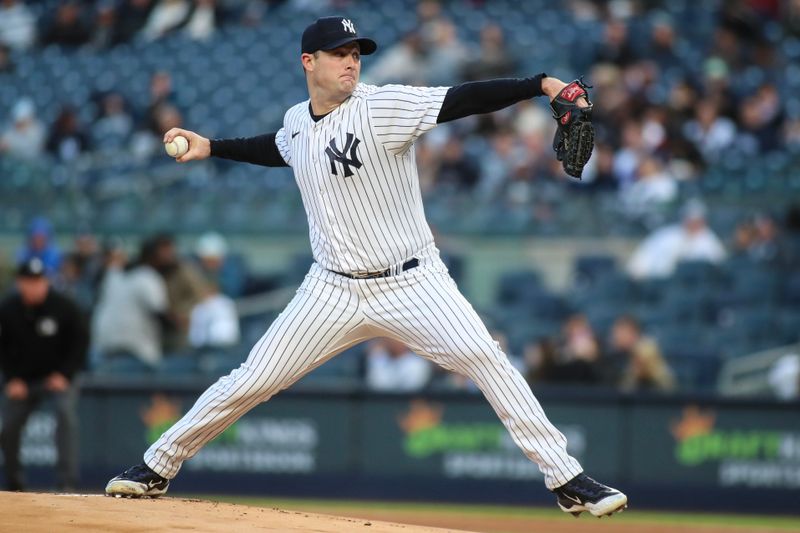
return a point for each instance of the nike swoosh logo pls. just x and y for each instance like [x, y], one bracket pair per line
[295, 134]
[570, 498]
[152, 483]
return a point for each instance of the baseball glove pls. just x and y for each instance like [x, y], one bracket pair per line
[574, 137]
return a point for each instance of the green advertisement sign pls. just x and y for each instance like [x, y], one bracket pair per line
[283, 436]
[712, 446]
[465, 439]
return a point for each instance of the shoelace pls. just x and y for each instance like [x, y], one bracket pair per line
[138, 471]
[587, 487]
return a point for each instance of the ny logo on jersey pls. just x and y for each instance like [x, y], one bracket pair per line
[348, 25]
[334, 154]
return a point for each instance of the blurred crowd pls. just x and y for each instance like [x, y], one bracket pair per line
[102, 24]
[669, 104]
[115, 127]
[98, 26]
[155, 300]
[662, 117]
[628, 361]
[145, 302]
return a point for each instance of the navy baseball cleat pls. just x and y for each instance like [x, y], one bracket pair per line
[137, 482]
[583, 493]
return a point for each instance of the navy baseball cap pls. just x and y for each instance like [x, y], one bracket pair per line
[32, 268]
[327, 33]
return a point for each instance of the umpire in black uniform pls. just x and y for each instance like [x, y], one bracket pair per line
[43, 344]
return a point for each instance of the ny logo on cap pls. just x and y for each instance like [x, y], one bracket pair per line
[348, 25]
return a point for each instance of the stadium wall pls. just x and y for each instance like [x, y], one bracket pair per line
[678, 452]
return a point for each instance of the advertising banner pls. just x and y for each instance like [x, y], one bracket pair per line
[283, 436]
[465, 439]
[716, 447]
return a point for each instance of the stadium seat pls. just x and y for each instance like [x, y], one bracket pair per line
[589, 268]
[514, 285]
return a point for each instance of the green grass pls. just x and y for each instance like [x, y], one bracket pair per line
[732, 520]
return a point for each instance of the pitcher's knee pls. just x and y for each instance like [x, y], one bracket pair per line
[479, 359]
[244, 385]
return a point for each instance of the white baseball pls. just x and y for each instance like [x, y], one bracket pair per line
[178, 146]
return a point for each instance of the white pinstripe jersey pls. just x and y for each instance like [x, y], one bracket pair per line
[357, 174]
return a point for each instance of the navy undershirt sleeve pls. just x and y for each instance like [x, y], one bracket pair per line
[476, 97]
[260, 150]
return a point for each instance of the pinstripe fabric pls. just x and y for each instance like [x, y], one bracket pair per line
[424, 309]
[365, 213]
[321, 320]
[421, 307]
[374, 218]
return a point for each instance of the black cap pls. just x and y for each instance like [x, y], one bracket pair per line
[327, 33]
[32, 268]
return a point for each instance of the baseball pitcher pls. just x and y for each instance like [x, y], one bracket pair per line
[377, 271]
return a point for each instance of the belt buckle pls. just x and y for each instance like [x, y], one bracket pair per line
[369, 274]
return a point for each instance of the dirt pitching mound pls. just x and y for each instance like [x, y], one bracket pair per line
[46, 513]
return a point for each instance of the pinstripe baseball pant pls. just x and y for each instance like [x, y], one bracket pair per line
[422, 308]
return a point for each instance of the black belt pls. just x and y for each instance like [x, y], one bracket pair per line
[408, 265]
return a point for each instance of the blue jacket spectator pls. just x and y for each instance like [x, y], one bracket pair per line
[40, 245]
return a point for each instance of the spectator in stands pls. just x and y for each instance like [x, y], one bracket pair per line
[642, 365]
[447, 55]
[653, 190]
[70, 282]
[202, 21]
[197, 18]
[185, 287]
[25, 137]
[457, 170]
[79, 272]
[546, 364]
[579, 350]
[17, 25]
[691, 240]
[214, 321]
[166, 16]
[541, 362]
[401, 63]
[132, 16]
[712, 133]
[114, 125]
[757, 238]
[40, 244]
[628, 158]
[161, 95]
[572, 359]
[43, 342]
[68, 28]
[67, 139]
[393, 367]
[131, 315]
[429, 15]
[615, 47]
[105, 22]
[506, 157]
[493, 59]
[662, 44]
[761, 117]
[147, 143]
[217, 267]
